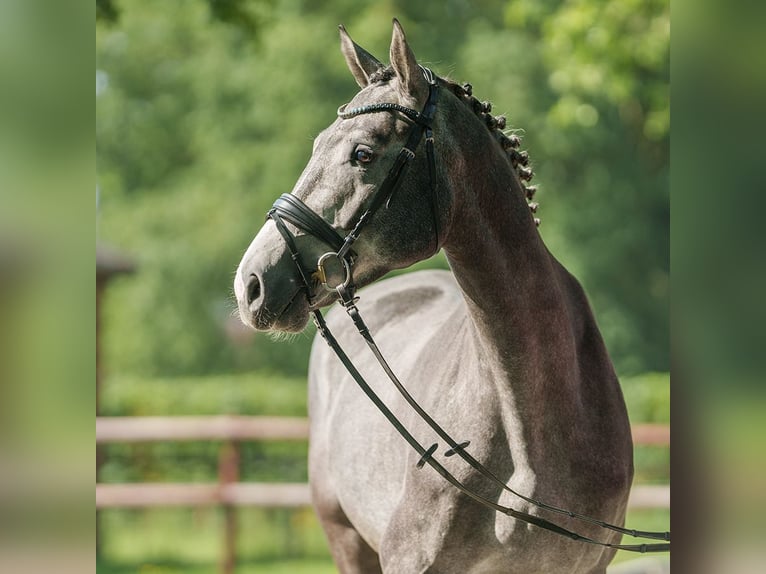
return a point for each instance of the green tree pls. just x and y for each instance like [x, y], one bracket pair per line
[202, 121]
[602, 103]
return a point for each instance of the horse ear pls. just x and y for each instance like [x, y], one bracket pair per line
[361, 63]
[405, 65]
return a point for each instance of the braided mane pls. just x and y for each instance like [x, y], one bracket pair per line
[510, 142]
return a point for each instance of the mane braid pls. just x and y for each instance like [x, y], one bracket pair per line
[508, 139]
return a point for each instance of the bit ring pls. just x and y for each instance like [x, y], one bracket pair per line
[322, 275]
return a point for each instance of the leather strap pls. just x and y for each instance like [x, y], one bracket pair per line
[459, 449]
[294, 254]
[292, 209]
[426, 455]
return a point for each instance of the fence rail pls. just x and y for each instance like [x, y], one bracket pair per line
[244, 428]
[651, 434]
[232, 429]
[271, 495]
[186, 428]
[265, 495]
[230, 493]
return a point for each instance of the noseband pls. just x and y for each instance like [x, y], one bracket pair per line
[290, 208]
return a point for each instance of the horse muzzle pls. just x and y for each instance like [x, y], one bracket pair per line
[268, 307]
[270, 297]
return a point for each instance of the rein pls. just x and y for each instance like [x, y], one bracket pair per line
[291, 209]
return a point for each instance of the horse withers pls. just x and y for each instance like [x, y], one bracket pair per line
[503, 351]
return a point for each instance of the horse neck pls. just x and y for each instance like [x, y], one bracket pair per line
[516, 293]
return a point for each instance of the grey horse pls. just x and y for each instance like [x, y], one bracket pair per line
[503, 351]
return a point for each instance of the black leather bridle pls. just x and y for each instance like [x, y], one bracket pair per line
[291, 209]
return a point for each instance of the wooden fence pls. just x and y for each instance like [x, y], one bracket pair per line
[230, 493]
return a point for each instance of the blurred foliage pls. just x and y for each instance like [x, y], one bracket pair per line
[248, 394]
[616, 51]
[203, 121]
[106, 11]
[179, 462]
[647, 397]
[718, 249]
[237, 12]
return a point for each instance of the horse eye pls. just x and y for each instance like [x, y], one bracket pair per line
[363, 154]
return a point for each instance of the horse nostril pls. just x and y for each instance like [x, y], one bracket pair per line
[253, 289]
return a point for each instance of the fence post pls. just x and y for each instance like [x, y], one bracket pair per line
[228, 473]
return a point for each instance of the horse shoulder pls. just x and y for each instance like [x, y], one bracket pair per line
[607, 427]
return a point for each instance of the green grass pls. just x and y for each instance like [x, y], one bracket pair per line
[191, 540]
[276, 541]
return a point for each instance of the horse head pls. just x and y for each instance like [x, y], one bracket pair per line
[277, 284]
